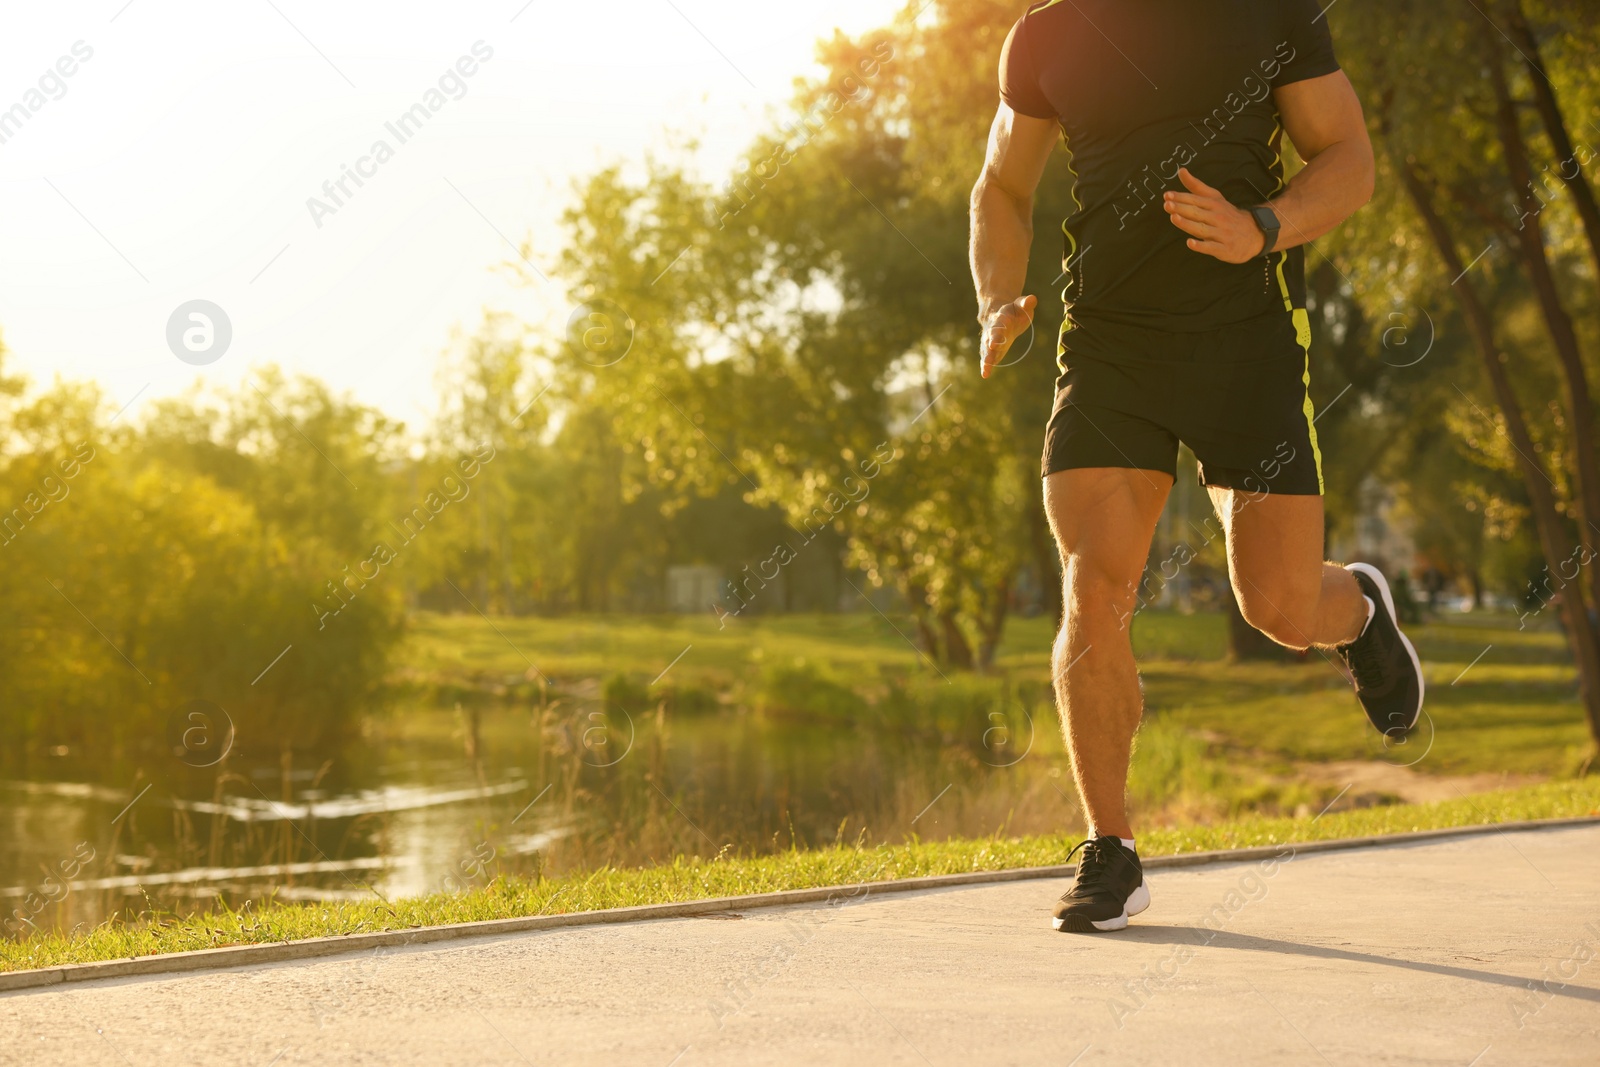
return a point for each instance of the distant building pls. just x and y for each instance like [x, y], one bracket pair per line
[694, 588]
[1380, 534]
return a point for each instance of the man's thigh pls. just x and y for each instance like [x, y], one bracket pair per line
[1103, 519]
[1275, 545]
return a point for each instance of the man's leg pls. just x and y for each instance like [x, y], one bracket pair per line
[1284, 587]
[1287, 592]
[1103, 519]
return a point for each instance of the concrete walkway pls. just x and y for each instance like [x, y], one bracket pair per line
[1470, 951]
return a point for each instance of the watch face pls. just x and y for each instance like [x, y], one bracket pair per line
[1267, 223]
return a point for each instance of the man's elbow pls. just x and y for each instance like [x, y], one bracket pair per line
[985, 191]
[1364, 174]
[1352, 175]
[1366, 183]
[988, 193]
[980, 189]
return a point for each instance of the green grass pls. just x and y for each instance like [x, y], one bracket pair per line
[463, 649]
[1514, 710]
[698, 879]
[1220, 740]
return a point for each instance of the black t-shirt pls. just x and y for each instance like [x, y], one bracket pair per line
[1142, 87]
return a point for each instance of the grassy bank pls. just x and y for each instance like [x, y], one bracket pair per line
[1501, 700]
[692, 879]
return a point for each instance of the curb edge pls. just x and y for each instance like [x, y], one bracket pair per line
[212, 959]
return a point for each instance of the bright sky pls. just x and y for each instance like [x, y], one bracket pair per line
[174, 163]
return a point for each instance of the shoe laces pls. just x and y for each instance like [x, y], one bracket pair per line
[1094, 866]
[1366, 661]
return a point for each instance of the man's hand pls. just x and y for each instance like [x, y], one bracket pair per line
[1002, 327]
[1214, 226]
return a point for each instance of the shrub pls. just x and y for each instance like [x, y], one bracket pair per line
[800, 688]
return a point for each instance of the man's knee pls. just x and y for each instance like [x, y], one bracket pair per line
[1281, 608]
[1098, 592]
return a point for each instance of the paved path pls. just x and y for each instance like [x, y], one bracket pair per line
[1416, 954]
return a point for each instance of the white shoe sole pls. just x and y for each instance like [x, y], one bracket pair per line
[1138, 901]
[1388, 602]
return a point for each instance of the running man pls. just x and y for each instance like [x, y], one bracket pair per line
[1185, 321]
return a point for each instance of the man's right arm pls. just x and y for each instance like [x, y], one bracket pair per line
[1002, 227]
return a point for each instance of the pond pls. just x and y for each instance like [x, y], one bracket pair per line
[427, 799]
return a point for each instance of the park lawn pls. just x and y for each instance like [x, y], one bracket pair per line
[696, 879]
[467, 649]
[1514, 710]
[1500, 699]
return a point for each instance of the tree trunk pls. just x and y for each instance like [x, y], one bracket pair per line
[927, 637]
[993, 624]
[1531, 249]
[1568, 167]
[957, 653]
[1553, 535]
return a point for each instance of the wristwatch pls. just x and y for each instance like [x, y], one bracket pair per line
[1269, 226]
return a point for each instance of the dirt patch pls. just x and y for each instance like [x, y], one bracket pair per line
[1369, 780]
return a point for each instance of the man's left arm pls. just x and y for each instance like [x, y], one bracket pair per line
[1322, 116]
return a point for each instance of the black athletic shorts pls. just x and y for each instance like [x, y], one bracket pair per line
[1237, 396]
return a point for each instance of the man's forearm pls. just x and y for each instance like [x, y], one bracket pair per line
[1002, 234]
[1328, 190]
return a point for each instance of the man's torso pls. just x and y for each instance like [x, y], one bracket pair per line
[1142, 87]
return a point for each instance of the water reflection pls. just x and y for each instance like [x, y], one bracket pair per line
[369, 802]
[430, 799]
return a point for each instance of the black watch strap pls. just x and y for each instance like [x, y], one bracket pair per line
[1267, 220]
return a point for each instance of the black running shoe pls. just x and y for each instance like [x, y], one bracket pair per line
[1385, 667]
[1107, 888]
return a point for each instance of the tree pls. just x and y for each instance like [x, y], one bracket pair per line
[813, 322]
[148, 568]
[1438, 125]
